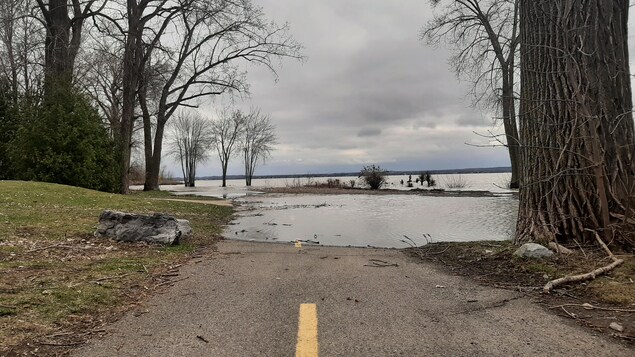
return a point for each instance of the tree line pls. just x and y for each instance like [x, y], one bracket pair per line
[558, 72]
[84, 82]
[194, 137]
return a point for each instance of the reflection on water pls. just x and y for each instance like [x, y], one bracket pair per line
[373, 220]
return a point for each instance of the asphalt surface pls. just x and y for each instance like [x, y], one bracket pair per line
[245, 300]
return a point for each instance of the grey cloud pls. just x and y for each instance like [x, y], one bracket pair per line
[367, 77]
[473, 120]
[368, 132]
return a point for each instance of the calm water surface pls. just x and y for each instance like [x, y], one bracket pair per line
[373, 220]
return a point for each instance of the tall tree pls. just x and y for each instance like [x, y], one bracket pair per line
[190, 141]
[146, 23]
[258, 138]
[63, 38]
[226, 131]
[215, 37]
[102, 79]
[485, 34]
[576, 122]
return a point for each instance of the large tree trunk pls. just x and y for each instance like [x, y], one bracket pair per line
[63, 38]
[147, 134]
[576, 122]
[131, 67]
[153, 167]
[511, 129]
[224, 167]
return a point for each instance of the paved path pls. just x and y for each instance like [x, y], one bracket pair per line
[245, 301]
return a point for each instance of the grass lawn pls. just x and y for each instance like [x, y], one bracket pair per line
[57, 279]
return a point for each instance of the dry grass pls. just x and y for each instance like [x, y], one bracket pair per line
[58, 279]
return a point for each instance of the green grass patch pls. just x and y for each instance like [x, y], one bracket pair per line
[538, 267]
[54, 270]
[5, 311]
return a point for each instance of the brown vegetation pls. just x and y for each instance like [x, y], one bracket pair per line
[611, 298]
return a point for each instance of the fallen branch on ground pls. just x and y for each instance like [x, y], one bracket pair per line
[588, 276]
[376, 263]
[98, 281]
[49, 247]
[593, 307]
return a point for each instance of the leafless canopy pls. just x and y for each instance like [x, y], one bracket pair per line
[190, 140]
[226, 132]
[258, 139]
[21, 48]
[484, 34]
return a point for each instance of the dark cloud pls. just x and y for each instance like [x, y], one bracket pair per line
[368, 132]
[473, 120]
[369, 92]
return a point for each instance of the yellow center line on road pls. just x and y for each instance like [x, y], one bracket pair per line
[307, 345]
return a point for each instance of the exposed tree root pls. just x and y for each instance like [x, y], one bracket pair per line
[588, 276]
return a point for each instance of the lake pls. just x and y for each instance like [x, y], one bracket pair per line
[373, 220]
[367, 220]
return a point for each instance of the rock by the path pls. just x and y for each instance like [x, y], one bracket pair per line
[559, 249]
[129, 227]
[617, 327]
[533, 250]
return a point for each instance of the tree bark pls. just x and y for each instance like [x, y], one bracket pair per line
[63, 38]
[153, 167]
[131, 59]
[147, 134]
[576, 122]
[511, 129]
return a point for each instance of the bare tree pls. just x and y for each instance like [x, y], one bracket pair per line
[257, 141]
[226, 132]
[215, 36]
[63, 37]
[576, 123]
[20, 48]
[145, 23]
[190, 140]
[102, 78]
[485, 34]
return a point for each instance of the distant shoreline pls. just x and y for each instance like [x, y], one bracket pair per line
[482, 170]
[387, 191]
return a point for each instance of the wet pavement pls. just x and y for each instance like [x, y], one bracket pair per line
[245, 300]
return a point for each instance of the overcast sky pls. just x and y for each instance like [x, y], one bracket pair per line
[369, 92]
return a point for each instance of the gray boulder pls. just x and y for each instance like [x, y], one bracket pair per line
[557, 248]
[129, 227]
[533, 250]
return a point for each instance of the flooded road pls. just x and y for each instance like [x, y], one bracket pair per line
[373, 220]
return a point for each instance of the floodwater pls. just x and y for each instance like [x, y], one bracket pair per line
[236, 188]
[373, 220]
[367, 220]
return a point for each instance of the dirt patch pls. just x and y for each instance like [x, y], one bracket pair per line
[594, 304]
[57, 295]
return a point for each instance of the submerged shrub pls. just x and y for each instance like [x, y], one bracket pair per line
[456, 181]
[427, 177]
[374, 176]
